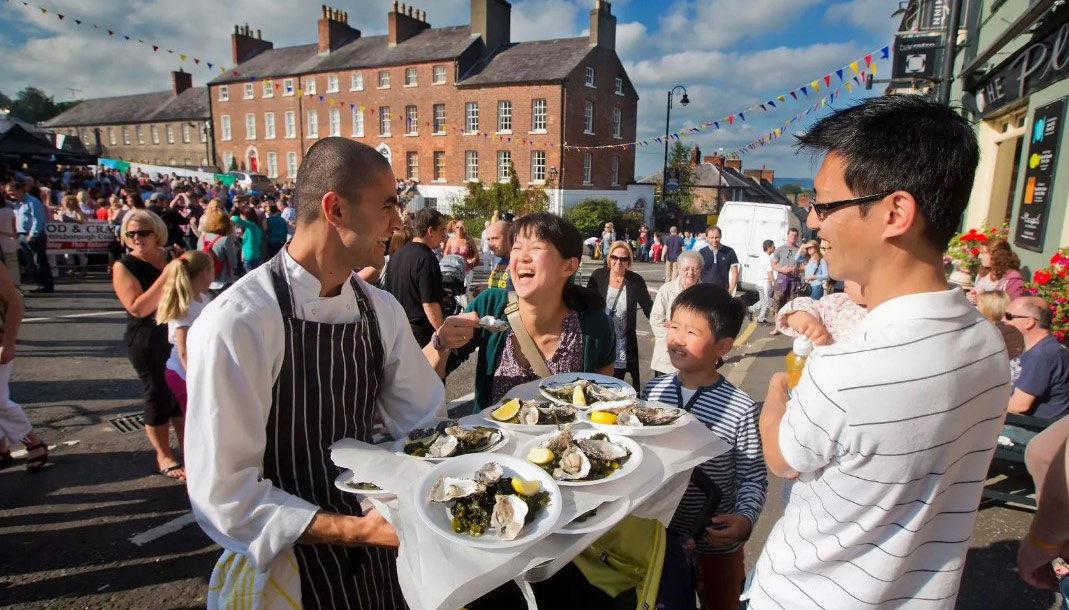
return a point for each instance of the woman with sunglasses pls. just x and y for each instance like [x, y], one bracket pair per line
[624, 292]
[816, 270]
[138, 281]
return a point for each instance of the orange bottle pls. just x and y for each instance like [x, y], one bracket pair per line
[796, 360]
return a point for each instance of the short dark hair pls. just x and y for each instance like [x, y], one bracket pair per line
[768, 243]
[792, 230]
[336, 165]
[427, 219]
[716, 305]
[714, 228]
[904, 143]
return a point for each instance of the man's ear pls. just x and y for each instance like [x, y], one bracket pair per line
[901, 212]
[331, 208]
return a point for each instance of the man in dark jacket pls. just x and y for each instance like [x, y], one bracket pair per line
[721, 263]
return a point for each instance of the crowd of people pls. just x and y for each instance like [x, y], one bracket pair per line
[887, 437]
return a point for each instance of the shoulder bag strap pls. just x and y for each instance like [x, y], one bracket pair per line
[527, 344]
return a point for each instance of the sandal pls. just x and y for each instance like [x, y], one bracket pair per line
[37, 463]
[167, 472]
[6, 460]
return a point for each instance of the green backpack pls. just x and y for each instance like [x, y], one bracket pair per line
[628, 556]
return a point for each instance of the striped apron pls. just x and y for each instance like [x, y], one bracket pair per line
[325, 392]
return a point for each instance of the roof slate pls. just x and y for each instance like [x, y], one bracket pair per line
[534, 61]
[140, 108]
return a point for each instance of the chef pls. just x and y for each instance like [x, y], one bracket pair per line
[296, 355]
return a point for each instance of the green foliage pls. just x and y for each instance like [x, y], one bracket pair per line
[5, 101]
[479, 203]
[33, 105]
[790, 189]
[679, 158]
[590, 215]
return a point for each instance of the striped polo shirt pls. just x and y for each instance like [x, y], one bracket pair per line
[740, 473]
[893, 431]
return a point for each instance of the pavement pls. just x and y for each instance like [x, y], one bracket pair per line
[97, 529]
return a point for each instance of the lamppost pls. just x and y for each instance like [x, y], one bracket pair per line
[667, 117]
[720, 180]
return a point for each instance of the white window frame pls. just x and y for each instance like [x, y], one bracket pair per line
[439, 170]
[269, 89]
[385, 122]
[437, 123]
[290, 121]
[228, 160]
[538, 115]
[436, 71]
[224, 128]
[618, 86]
[409, 166]
[186, 136]
[471, 165]
[411, 77]
[538, 166]
[504, 165]
[590, 77]
[384, 79]
[334, 122]
[614, 174]
[310, 85]
[504, 116]
[272, 165]
[617, 122]
[471, 117]
[288, 89]
[203, 134]
[139, 133]
[358, 122]
[224, 93]
[250, 126]
[588, 117]
[170, 134]
[356, 81]
[332, 83]
[291, 164]
[269, 125]
[411, 120]
[154, 131]
[249, 92]
[313, 124]
[588, 169]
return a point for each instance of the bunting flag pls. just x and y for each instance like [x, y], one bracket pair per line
[827, 80]
[839, 73]
[815, 85]
[853, 67]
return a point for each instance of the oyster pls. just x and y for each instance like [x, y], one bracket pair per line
[475, 439]
[614, 406]
[584, 392]
[602, 450]
[559, 441]
[489, 474]
[574, 464]
[508, 517]
[628, 418]
[443, 446]
[492, 324]
[656, 416]
[422, 433]
[529, 414]
[602, 393]
[450, 488]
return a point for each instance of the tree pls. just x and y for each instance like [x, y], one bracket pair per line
[590, 215]
[679, 159]
[5, 101]
[479, 203]
[33, 105]
[790, 189]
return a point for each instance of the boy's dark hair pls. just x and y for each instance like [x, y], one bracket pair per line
[768, 244]
[427, 219]
[724, 313]
[904, 143]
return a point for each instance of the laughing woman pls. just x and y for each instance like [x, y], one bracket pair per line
[567, 323]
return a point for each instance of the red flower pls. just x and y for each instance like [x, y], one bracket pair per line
[1041, 277]
[975, 251]
[1057, 258]
[967, 237]
[981, 237]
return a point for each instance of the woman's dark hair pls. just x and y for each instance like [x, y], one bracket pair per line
[560, 234]
[723, 313]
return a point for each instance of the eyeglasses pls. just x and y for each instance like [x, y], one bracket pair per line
[142, 233]
[1016, 316]
[822, 209]
[620, 259]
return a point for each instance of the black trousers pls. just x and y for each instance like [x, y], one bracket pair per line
[35, 250]
[148, 350]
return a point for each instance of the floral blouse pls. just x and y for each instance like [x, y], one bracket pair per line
[568, 358]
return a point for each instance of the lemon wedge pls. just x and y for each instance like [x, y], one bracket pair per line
[539, 455]
[579, 396]
[603, 417]
[507, 411]
[526, 488]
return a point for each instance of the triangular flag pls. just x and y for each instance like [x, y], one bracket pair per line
[742, 116]
[78, 21]
[351, 105]
[815, 85]
[60, 16]
[804, 91]
[252, 79]
[868, 60]
[763, 108]
[716, 124]
[222, 70]
[208, 64]
[196, 61]
[839, 73]
[885, 52]
[794, 95]
[731, 120]
[827, 80]
[823, 100]
[155, 48]
[331, 101]
[849, 87]
[781, 98]
[321, 98]
[857, 81]
[853, 67]
[862, 75]
[126, 37]
[873, 68]
[44, 11]
[183, 56]
[111, 33]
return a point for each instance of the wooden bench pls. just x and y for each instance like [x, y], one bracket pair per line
[1013, 458]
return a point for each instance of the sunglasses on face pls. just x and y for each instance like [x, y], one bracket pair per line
[823, 209]
[1016, 316]
[142, 233]
[619, 259]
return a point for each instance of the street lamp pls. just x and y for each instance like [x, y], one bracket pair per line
[720, 180]
[667, 118]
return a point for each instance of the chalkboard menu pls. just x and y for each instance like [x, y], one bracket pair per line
[1039, 175]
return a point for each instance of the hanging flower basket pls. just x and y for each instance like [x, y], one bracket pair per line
[1050, 284]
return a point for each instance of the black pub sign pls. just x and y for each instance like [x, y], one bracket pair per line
[1031, 68]
[1043, 141]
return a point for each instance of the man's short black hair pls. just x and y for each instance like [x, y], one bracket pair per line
[336, 165]
[714, 228]
[904, 143]
[792, 230]
[768, 243]
[427, 219]
[723, 312]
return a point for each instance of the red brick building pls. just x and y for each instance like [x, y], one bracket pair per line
[446, 105]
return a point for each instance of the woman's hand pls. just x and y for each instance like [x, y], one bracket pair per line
[971, 295]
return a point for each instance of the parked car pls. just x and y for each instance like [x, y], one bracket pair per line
[745, 226]
[258, 182]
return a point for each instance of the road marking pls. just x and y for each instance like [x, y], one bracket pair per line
[741, 339]
[94, 314]
[170, 527]
[23, 453]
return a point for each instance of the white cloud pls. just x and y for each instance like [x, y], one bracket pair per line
[630, 37]
[872, 15]
[717, 24]
[544, 19]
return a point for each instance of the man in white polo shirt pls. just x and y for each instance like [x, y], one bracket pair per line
[890, 432]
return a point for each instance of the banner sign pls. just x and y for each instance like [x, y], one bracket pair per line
[1039, 175]
[74, 237]
[1029, 69]
[917, 55]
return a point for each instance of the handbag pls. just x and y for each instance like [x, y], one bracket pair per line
[803, 289]
[527, 344]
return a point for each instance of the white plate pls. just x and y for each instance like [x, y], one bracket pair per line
[584, 416]
[506, 436]
[347, 476]
[528, 428]
[435, 515]
[604, 380]
[629, 466]
[607, 511]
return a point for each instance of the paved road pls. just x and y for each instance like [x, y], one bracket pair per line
[98, 530]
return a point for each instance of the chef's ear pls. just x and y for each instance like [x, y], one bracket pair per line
[331, 208]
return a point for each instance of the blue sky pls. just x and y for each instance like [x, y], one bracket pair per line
[729, 54]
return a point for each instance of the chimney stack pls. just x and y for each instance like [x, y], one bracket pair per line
[180, 81]
[491, 21]
[735, 164]
[405, 23]
[245, 46]
[334, 30]
[602, 25]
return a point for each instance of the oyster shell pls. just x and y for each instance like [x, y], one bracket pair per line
[602, 393]
[529, 414]
[450, 488]
[492, 324]
[656, 416]
[559, 441]
[443, 446]
[574, 464]
[508, 517]
[600, 449]
[489, 474]
[628, 418]
[477, 439]
[614, 406]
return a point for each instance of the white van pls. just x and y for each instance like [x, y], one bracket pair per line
[745, 226]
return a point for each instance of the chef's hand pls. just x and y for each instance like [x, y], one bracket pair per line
[728, 529]
[378, 531]
[456, 331]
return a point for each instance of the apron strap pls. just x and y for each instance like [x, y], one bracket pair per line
[283, 294]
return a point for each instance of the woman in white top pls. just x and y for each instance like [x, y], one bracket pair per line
[688, 273]
[185, 294]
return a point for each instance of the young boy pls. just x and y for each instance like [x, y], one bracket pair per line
[765, 284]
[705, 321]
